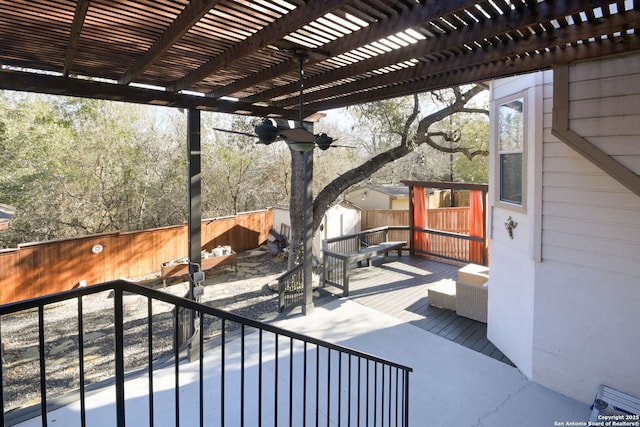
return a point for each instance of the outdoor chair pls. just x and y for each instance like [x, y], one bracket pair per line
[471, 301]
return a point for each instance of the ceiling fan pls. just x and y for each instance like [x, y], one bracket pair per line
[298, 138]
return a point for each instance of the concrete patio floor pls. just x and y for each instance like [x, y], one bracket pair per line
[450, 386]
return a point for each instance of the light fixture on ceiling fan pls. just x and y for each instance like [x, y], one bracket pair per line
[298, 138]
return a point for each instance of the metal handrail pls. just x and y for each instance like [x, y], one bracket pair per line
[120, 287]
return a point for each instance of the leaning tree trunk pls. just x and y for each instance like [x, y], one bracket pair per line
[329, 194]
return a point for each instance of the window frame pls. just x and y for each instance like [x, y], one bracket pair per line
[499, 152]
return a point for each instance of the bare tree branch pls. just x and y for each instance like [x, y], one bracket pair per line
[332, 191]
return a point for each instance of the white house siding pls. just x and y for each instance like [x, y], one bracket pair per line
[585, 327]
[608, 89]
[513, 261]
[587, 304]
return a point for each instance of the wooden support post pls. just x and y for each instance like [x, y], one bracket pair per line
[195, 210]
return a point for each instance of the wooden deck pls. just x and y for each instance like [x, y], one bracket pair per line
[398, 287]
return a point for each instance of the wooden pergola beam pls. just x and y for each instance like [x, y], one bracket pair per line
[270, 34]
[74, 35]
[189, 16]
[85, 88]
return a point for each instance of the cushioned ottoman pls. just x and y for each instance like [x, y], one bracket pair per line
[443, 294]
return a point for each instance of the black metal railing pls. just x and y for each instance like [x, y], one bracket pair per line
[123, 338]
[290, 287]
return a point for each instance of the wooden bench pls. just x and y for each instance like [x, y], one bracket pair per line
[351, 249]
[368, 252]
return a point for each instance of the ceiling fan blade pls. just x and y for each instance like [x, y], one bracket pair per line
[253, 135]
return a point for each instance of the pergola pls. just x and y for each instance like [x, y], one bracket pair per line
[239, 56]
[195, 54]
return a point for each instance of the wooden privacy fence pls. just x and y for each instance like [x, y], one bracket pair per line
[37, 269]
[447, 230]
[452, 220]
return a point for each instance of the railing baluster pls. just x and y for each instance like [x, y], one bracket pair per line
[43, 373]
[328, 386]
[397, 396]
[389, 400]
[176, 364]
[275, 385]
[119, 355]
[339, 389]
[349, 393]
[260, 378]
[359, 382]
[201, 365]
[242, 355]
[150, 358]
[367, 392]
[304, 385]
[222, 369]
[382, 399]
[317, 386]
[83, 408]
[375, 393]
[291, 381]
[406, 397]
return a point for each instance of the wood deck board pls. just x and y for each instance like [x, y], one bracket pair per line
[454, 326]
[397, 286]
[464, 328]
[464, 335]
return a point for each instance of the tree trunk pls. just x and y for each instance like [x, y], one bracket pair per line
[296, 209]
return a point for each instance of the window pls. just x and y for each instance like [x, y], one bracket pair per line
[510, 151]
